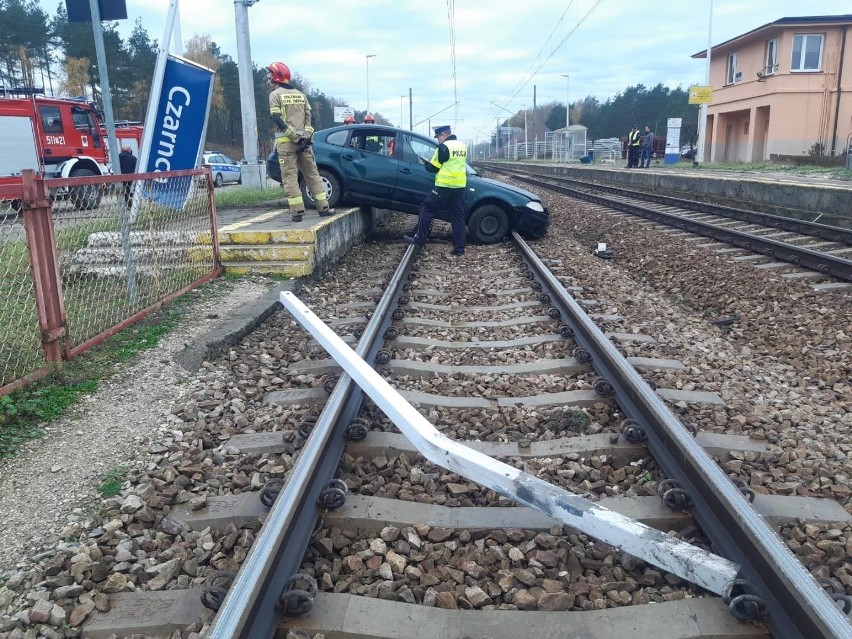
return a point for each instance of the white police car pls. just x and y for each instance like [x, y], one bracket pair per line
[223, 169]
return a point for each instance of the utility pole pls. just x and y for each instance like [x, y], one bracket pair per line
[535, 126]
[702, 118]
[252, 171]
[410, 110]
[106, 95]
[567, 100]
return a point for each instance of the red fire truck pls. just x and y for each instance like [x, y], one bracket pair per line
[56, 137]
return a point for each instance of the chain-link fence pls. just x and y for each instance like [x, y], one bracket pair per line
[112, 248]
[20, 340]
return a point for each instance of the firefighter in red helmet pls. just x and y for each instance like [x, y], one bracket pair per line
[291, 113]
[349, 119]
[369, 119]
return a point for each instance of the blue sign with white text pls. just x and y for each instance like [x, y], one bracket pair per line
[178, 129]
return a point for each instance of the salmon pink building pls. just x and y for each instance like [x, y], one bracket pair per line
[784, 88]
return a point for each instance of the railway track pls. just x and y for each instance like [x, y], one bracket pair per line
[494, 365]
[773, 242]
[410, 531]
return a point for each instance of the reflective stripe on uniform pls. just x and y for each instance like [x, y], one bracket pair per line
[321, 196]
[296, 202]
[452, 173]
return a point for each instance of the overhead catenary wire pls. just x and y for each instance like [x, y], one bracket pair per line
[538, 62]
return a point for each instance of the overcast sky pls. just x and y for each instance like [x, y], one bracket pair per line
[502, 48]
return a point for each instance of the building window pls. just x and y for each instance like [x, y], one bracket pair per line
[731, 76]
[771, 57]
[807, 52]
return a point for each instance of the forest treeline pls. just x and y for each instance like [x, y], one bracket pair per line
[41, 50]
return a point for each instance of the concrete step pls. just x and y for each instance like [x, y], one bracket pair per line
[290, 269]
[291, 252]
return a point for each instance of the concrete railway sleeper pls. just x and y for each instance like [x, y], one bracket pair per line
[387, 523]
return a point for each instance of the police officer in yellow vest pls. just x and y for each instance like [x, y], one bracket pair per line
[291, 113]
[449, 165]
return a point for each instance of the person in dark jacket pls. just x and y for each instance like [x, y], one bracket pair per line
[127, 162]
[647, 148]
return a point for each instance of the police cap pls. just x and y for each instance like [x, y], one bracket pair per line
[440, 130]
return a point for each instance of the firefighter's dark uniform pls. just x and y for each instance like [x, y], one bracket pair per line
[449, 165]
[291, 112]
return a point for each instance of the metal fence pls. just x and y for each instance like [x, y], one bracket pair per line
[82, 258]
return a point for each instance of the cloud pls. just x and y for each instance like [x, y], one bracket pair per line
[496, 45]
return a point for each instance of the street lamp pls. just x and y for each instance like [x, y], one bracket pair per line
[369, 55]
[567, 99]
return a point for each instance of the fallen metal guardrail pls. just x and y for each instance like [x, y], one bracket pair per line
[696, 565]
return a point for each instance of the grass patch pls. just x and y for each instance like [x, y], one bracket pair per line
[240, 196]
[112, 481]
[25, 411]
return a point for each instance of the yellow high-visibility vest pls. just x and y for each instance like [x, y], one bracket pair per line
[452, 173]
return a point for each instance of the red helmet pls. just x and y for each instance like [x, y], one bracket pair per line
[279, 72]
[369, 119]
[349, 120]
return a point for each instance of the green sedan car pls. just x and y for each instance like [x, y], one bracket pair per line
[373, 165]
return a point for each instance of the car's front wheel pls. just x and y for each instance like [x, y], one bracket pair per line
[488, 224]
[331, 185]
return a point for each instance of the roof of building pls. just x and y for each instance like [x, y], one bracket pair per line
[802, 20]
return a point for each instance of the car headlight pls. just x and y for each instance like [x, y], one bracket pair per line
[535, 206]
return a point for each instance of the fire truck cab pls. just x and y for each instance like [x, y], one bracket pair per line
[54, 136]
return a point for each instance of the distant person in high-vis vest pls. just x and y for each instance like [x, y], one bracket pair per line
[634, 142]
[449, 164]
[291, 113]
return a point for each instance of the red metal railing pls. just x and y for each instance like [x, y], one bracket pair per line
[83, 258]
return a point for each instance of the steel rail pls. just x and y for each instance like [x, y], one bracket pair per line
[250, 609]
[797, 255]
[798, 607]
[813, 229]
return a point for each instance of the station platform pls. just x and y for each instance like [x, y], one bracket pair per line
[798, 196]
[266, 241]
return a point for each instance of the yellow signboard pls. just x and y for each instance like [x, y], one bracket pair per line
[700, 95]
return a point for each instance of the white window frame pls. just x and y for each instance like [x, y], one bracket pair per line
[731, 71]
[805, 37]
[771, 67]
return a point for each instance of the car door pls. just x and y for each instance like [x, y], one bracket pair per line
[368, 166]
[414, 181]
[230, 170]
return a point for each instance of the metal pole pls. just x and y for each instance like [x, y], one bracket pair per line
[567, 100]
[252, 171]
[369, 55]
[410, 110]
[106, 95]
[112, 143]
[535, 126]
[702, 118]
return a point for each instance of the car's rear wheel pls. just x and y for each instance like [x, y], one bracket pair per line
[331, 185]
[218, 181]
[488, 224]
